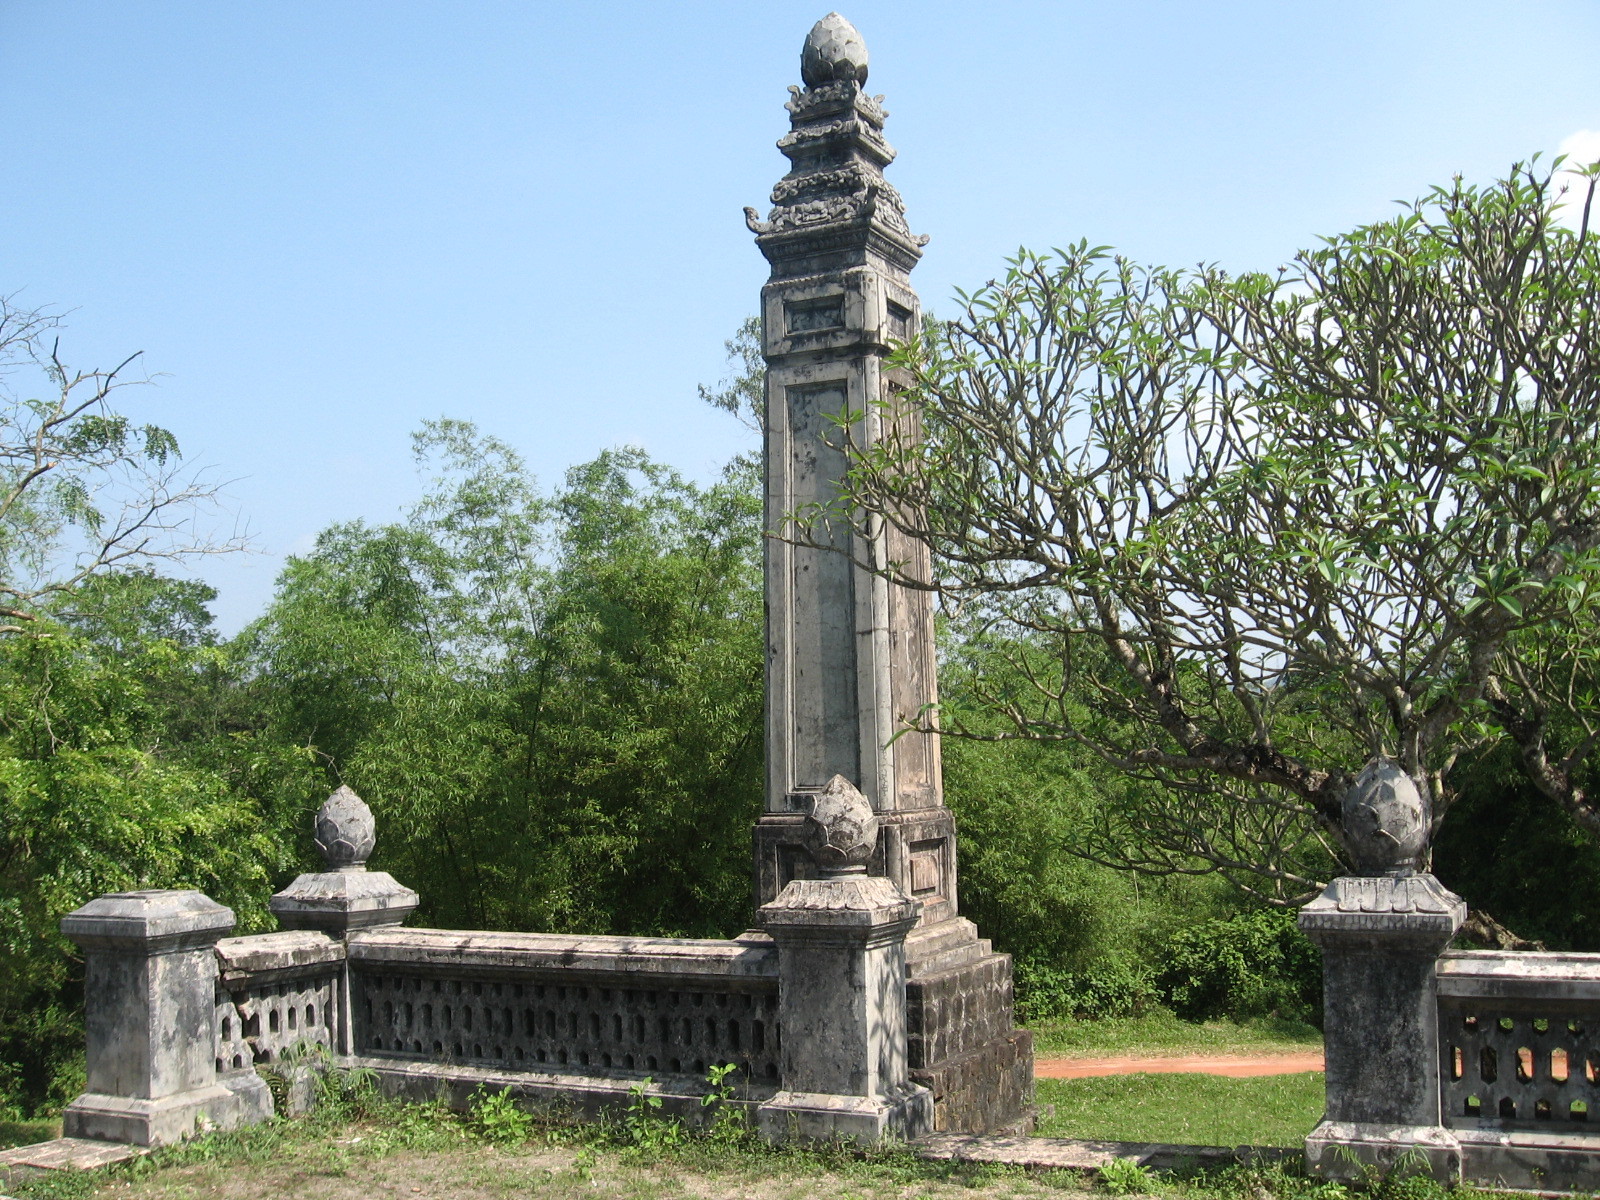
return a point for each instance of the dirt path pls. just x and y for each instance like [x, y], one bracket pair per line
[1236, 1065]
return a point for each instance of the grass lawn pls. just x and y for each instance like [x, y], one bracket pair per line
[1197, 1110]
[1162, 1033]
[26, 1133]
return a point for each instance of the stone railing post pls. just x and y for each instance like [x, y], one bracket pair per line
[1380, 934]
[150, 977]
[346, 897]
[842, 988]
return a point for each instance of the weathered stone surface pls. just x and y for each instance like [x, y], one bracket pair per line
[834, 52]
[344, 830]
[841, 997]
[841, 831]
[475, 954]
[1073, 1154]
[151, 974]
[339, 902]
[1379, 939]
[850, 656]
[68, 1154]
[272, 957]
[1385, 820]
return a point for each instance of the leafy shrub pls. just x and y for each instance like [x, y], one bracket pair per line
[1254, 964]
[496, 1118]
[1049, 993]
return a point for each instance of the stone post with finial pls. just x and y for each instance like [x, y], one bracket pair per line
[1381, 932]
[850, 657]
[347, 896]
[842, 986]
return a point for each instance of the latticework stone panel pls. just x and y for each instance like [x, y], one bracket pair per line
[577, 1028]
[1520, 1065]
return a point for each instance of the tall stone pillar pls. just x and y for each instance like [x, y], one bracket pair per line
[850, 657]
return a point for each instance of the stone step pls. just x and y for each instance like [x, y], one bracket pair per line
[1073, 1154]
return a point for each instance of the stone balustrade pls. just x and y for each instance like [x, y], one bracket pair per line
[184, 1021]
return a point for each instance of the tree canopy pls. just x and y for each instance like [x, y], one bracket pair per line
[1242, 533]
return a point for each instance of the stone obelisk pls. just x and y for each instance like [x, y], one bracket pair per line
[850, 656]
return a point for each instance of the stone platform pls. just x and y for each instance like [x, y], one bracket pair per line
[1074, 1154]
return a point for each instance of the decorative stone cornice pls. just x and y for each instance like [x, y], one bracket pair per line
[834, 200]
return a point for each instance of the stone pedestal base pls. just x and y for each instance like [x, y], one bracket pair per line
[962, 1046]
[1350, 1149]
[241, 1100]
[815, 1116]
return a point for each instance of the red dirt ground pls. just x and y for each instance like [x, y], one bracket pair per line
[1236, 1065]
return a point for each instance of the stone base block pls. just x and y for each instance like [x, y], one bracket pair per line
[243, 1100]
[989, 1090]
[1351, 1149]
[812, 1116]
[961, 1044]
[1529, 1160]
[589, 1096]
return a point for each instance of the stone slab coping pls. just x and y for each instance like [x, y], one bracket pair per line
[1075, 1154]
[69, 1154]
[271, 952]
[1549, 976]
[641, 959]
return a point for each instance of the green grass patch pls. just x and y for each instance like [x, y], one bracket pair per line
[1194, 1110]
[1160, 1032]
[26, 1133]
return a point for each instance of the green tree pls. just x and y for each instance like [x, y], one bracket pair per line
[1273, 525]
[83, 489]
[581, 668]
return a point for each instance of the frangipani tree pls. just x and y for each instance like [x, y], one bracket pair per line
[1243, 535]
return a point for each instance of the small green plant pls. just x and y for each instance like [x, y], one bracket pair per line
[727, 1121]
[1124, 1177]
[496, 1118]
[642, 1128]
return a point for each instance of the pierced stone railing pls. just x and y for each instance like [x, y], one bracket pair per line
[571, 1005]
[1518, 1034]
[274, 992]
[583, 1022]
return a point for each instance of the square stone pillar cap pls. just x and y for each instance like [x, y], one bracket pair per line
[854, 906]
[339, 901]
[1416, 905]
[152, 921]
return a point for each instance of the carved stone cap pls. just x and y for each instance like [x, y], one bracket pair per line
[338, 902]
[1416, 906]
[851, 908]
[1385, 820]
[150, 921]
[833, 52]
[345, 832]
[841, 831]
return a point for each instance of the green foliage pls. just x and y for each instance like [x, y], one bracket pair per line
[94, 799]
[1124, 1177]
[1513, 852]
[1254, 964]
[583, 668]
[1194, 1110]
[1246, 533]
[496, 1117]
[642, 1125]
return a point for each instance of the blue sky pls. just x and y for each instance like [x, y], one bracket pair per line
[324, 223]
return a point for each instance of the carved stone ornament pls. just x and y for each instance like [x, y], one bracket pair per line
[841, 831]
[1385, 820]
[345, 832]
[833, 51]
